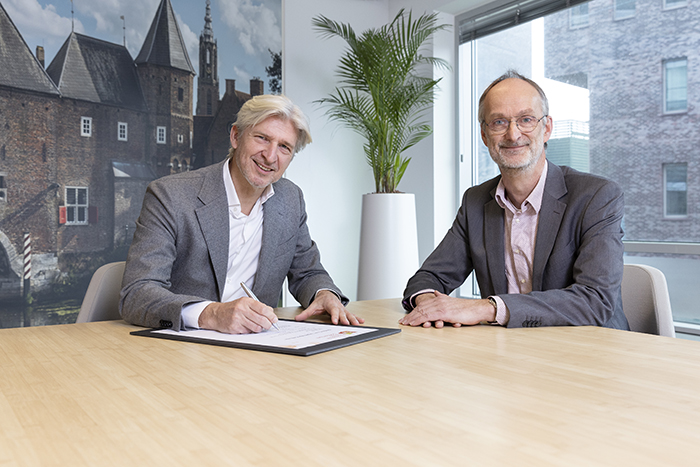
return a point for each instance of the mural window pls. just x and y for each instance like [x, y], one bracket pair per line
[676, 85]
[76, 205]
[86, 126]
[122, 131]
[625, 9]
[675, 190]
[160, 135]
[3, 188]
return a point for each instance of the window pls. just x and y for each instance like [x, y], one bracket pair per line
[86, 126]
[675, 190]
[180, 94]
[608, 77]
[160, 135]
[122, 134]
[670, 4]
[624, 9]
[578, 16]
[3, 188]
[180, 139]
[676, 85]
[76, 205]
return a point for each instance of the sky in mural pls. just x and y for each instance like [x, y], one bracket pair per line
[244, 29]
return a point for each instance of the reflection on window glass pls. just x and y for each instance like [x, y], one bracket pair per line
[579, 15]
[621, 98]
[624, 8]
[676, 85]
[676, 189]
[668, 4]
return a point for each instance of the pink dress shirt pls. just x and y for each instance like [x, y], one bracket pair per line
[520, 232]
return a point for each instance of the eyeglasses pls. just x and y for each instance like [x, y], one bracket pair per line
[525, 124]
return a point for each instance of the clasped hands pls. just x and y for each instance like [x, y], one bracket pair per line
[246, 315]
[435, 308]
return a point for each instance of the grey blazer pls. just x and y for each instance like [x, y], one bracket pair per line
[179, 254]
[577, 268]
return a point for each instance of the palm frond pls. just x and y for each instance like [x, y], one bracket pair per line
[381, 95]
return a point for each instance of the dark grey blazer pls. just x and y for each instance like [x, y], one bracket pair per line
[179, 254]
[577, 268]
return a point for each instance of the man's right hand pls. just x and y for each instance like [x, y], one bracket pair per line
[241, 316]
[436, 309]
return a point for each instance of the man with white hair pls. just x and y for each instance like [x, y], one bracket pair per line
[201, 234]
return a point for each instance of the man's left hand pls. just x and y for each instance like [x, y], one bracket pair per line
[328, 302]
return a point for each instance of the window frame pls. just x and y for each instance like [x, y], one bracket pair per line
[617, 16]
[77, 207]
[161, 135]
[572, 15]
[675, 6]
[125, 127]
[664, 73]
[3, 187]
[86, 126]
[666, 190]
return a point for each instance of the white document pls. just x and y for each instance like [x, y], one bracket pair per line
[291, 334]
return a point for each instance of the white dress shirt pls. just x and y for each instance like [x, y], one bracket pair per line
[245, 242]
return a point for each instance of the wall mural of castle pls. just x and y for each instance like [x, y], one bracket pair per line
[81, 137]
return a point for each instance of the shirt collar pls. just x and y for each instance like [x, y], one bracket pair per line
[534, 199]
[231, 194]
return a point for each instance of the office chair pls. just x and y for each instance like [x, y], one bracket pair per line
[645, 300]
[101, 301]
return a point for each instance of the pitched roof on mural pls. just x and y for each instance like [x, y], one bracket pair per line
[164, 44]
[97, 71]
[19, 68]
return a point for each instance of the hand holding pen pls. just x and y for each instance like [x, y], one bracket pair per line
[250, 293]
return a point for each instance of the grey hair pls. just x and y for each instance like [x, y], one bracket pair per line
[512, 74]
[265, 106]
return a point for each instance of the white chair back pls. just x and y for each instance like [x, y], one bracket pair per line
[101, 301]
[645, 300]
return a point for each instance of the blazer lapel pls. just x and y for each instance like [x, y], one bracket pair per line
[551, 215]
[273, 215]
[209, 216]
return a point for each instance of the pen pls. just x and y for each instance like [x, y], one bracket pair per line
[250, 293]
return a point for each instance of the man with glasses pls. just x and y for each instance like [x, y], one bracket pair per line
[544, 241]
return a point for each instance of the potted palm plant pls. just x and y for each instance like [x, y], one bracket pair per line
[382, 96]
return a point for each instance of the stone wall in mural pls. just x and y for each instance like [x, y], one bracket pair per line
[80, 139]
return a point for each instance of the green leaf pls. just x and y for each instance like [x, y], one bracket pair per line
[381, 94]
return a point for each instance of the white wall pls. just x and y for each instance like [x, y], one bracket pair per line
[332, 171]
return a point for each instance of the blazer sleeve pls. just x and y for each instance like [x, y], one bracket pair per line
[147, 297]
[449, 264]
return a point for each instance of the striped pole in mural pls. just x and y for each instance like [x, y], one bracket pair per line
[27, 263]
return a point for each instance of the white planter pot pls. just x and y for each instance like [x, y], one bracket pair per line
[388, 245]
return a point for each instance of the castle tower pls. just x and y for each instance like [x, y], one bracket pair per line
[208, 80]
[167, 75]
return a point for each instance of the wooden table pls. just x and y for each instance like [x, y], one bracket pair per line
[91, 394]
